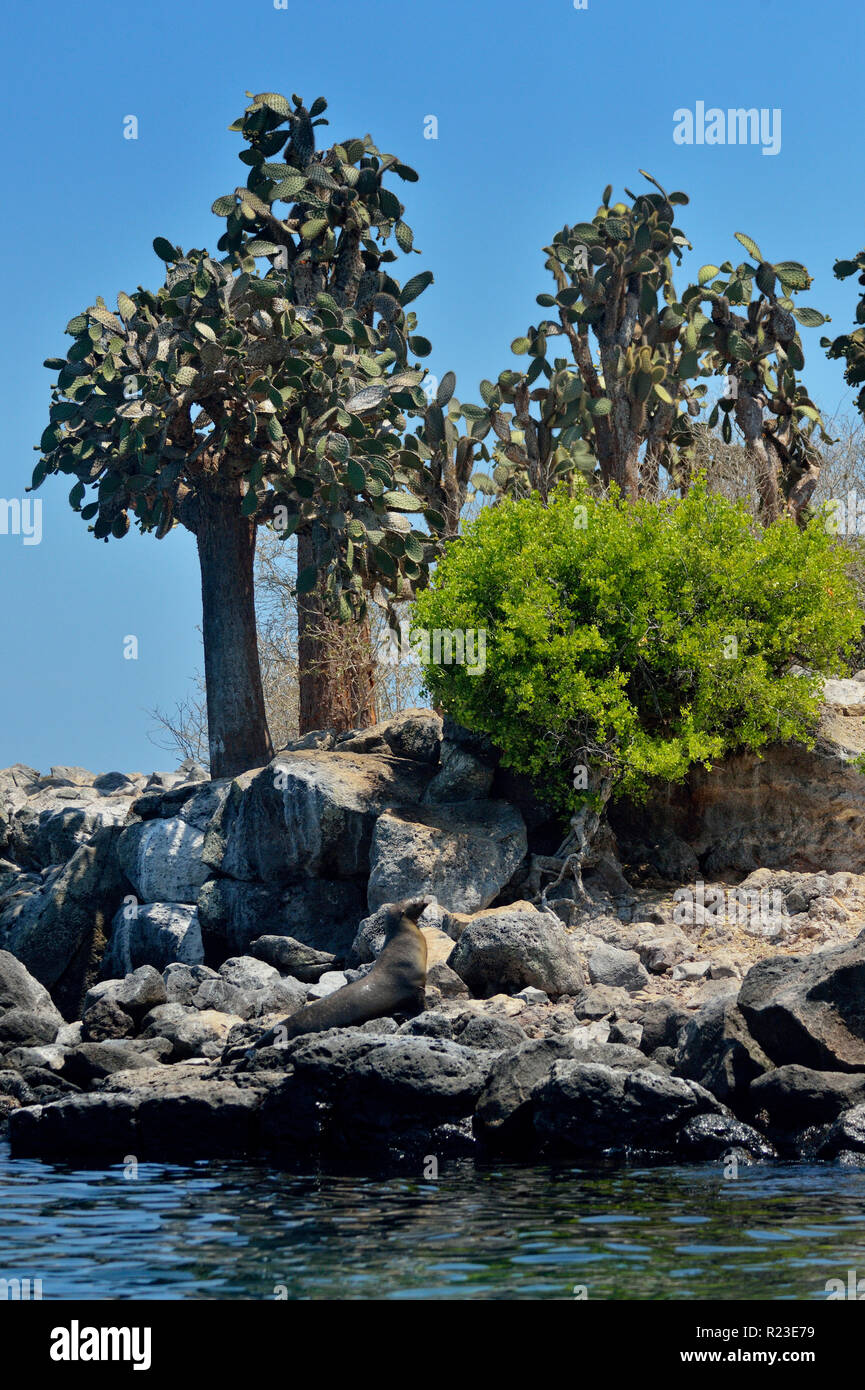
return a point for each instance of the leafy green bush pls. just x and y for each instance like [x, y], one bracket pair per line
[635, 639]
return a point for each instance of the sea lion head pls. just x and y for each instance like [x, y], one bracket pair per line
[410, 908]
[413, 907]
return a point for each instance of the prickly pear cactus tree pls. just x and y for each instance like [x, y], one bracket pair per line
[234, 397]
[760, 352]
[623, 407]
[448, 453]
[324, 221]
[851, 346]
[622, 402]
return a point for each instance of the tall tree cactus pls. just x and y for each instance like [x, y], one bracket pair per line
[324, 221]
[625, 399]
[230, 399]
[851, 346]
[618, 407]
[760, 352]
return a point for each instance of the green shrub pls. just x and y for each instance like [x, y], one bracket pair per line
[637, 639]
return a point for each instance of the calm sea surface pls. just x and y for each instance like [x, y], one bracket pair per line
[249, 1230]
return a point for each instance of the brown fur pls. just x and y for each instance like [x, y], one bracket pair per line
[395, 984]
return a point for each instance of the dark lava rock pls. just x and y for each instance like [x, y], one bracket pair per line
[793, 1097]
[810, 1009]
[717, 1050]
[105, 1019]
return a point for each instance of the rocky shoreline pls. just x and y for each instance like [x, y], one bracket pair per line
[151, 929]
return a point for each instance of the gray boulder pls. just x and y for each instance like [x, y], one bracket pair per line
[716, 1049]
[162, 860]
[16, 784]
[462, 776]
[19, 990]
[174, 1111]
[319, 913]
[793, 1098]
[619, 969]
[589, 1108]
[352, 1090]
[507, 948]
[413, 733]
[662, 1021]
[846, 1136]
[182, 982]
[91, 1062]
[488, 1031]
[328, 983]
[715, 1138]
[661, 950]
[292, 957]
[105, 1019]
[595, 1002]
[441, 977]
[191, 1032]
[504, 1116]
[55, 822]
[153, 934]
[137, 994]
[309, 814]
[59, 942]
[27, 1028]
[250, 988]
[462, 855]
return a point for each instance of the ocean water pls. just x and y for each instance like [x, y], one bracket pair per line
[249, 1230]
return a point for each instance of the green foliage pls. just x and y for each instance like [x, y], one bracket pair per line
[613, 285]
[615, 379]
[763, 350]
[637, 638]
[290, 385]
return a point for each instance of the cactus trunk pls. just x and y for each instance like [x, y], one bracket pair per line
[236, 720]
[336, 661]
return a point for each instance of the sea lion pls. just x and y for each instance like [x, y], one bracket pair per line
[395, 984]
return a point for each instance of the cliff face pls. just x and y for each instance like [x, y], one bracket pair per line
[792, 808]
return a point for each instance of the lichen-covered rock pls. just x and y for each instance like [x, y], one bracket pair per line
[163, 860]
[154, 934]
[461, 855]
[319, 913]
[61, 939]
[312, 814]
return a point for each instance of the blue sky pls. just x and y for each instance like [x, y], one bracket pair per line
[538, 107]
